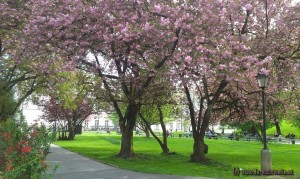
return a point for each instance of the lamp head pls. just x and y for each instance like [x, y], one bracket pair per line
[262, 80]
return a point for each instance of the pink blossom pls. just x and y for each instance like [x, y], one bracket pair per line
[248, 7]
[188, 59]
[174, 39]
[164, 21]
[124, 30]
[157, 8]
[200, 40]
[227, 78]
[264, 71]
[49, 34]
[268, 59]
[219, 1]
[200, 48]
[107, 38]
[147, 26]
[222, 67]
[226, 54]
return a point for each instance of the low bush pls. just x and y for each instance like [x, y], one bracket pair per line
[23, 150]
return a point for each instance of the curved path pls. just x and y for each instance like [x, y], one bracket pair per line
[74, 166]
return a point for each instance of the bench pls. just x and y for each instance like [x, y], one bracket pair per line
[187, 134]
[275, 139]
[249, 138]
[212, 136]
[229, 137]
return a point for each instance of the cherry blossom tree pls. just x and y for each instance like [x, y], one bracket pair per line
[207, 45]
[226, 43]
[124, 42]
[16, 79]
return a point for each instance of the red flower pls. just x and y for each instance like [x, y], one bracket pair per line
[26, 149]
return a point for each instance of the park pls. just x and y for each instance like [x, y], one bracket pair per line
[205, 88]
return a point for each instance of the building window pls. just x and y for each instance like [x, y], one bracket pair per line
[86, 124]
[106, 123]
[96, 123]
[177, 125]
[35, 100]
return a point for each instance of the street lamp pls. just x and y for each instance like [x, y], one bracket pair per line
[266, 160]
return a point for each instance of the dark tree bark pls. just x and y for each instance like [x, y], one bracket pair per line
[127, 126]
[278, 130]
[70, 130]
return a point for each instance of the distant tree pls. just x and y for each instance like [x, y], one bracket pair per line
[157, 113]
[67, 120]
[70, 102]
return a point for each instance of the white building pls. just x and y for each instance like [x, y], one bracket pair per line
[32, 113]
[176, 125]
[98, 122]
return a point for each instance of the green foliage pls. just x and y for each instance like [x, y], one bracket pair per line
[23, 150]
[292, 99]
[293, 115]
[151, 113]
[7, 104]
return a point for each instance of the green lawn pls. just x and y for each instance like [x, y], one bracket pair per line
[286, 127]
[224, 155]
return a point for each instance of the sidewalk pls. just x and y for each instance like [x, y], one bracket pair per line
[74, 166]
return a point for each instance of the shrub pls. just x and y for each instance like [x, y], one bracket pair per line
[23, 150]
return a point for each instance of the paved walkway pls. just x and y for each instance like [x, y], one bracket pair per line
[74, 166]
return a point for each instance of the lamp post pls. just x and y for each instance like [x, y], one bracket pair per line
[266, 160]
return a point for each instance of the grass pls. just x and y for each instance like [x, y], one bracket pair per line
[224, 155]
[286, 127]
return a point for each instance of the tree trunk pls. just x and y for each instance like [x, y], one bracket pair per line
[127, 126]
[71, 134]
[278, 131]
[199, 150]
[126, 144]
[71, 130]
[147, 132]
[163, 146]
